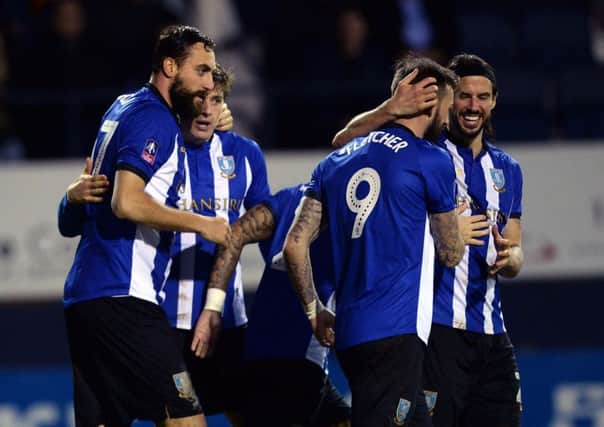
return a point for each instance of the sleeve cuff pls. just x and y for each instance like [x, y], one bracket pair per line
[133, 169]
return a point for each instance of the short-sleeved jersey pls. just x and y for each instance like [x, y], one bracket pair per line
[116, 257]
[377, 193]
[277, 311]
[227, 176]
[466, 297]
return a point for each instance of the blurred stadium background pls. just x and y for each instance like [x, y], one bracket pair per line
[303, 69]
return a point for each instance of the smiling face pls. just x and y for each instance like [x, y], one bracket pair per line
[474, 101]
[200, 128]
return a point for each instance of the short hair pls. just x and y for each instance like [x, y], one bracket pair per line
[467, 64]
[174, 41]
[426, 67]
[223, 78]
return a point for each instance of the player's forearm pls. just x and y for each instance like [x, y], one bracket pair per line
[296, 251]
[515, 264]
[363, 124]
[448, 239]
[297, 260]
[141, 208]
[226, 261]
[257, 224]
[450, 252]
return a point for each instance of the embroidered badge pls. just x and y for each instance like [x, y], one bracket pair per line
[431, 397]
[150, 151]
[498, 180]
[185, 387]
[402, 410]
[227, 166]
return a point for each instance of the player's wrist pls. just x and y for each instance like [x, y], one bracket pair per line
[389, 110]
[69, 197]
[215, 300]
[310, 309]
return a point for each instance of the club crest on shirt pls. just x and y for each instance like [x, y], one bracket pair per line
[402, 410]
[150, 151]
[185, 387]
[430, 400]
[498, 180]
[227, 166]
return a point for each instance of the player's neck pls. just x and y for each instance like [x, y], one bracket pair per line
[163, 87]
[417, 125]
[197, 142]
[474, 143]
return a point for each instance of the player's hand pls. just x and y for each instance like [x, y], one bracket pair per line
[324, 328]
[87, 188]
[225, 120]
[472, 226]
[206, 332]
[410, 98]
[341, 424]
[503, 247]
[215, 229]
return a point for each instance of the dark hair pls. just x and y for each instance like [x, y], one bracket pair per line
[426, 67]
[466, 64]
[174, 41]
[223, 78]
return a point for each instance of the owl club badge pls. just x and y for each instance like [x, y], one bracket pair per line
[226, 164]
[498, 180]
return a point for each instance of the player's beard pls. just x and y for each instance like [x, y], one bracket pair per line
[461, 136]
[185, 103]
[435, 129]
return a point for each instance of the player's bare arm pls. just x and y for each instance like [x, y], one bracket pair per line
[407, 99]
[509, 250]
[129, 201]
[297, 255]
[87, 188]
[447, 238]
[257, 224]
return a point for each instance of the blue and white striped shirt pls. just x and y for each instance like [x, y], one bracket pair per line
[227, 176]
[465, 296]
[117, 257]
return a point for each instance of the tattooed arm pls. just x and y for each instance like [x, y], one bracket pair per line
[297, 255]
[447, 238]
[257, 224]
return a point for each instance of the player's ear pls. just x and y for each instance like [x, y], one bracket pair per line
[169, 67]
